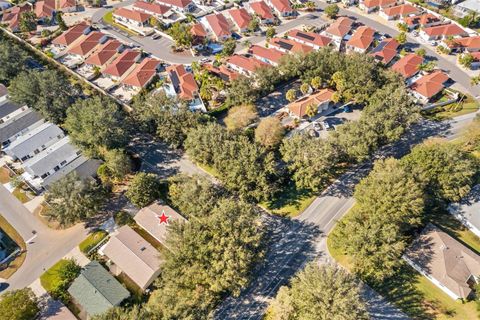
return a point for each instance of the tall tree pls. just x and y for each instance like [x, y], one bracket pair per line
[269, 132]
[28, 21]
[331, 11]
[12, 60]
[96, 123]
[118, 163]
[144, 189]
[229, 47]
[72, 199]
[18, 305]
[180, 32]
[240, 116]
[205, 142]
[323, 292]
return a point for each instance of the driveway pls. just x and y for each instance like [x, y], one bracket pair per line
[45, 249]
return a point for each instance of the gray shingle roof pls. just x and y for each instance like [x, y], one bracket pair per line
[96, 290]
[7, 108]
[83, 166]
[14, 126]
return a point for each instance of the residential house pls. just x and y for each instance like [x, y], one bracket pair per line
[143, 74]
[422, 21]
[241, 18]
[282, 8]
[184, 6]
[83, 167]
[132, 19]
[287, 46]
[130, 254]
[475, 65]
[122, 65]
[409, 65]
[222, 72]
[218, 26]
[373, 5]
[467, 7]
[245, 65]
[320, 100]
[183, 85]
[67, 6]
[9, 110]
[96, 291]
[34, 141]
[262, 11]
[45, 9]
[105, 54]
[268, 55]
[429, 86]
[362, 40]
[199, 35]
[385, 51]
[468, 44]
[339, 29]
[447, 263]
[155, 9]
[87, 44]
[11, 17]
[312, 39]
[156, 218]
[17, 126]
[466, 211]
[443, 31]
[400, 11]
[71, 35]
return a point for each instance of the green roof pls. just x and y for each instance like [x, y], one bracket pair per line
[96, 290]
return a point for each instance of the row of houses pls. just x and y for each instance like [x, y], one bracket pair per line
[39, 147]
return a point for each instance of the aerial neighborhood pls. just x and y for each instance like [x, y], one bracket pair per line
[258, 159]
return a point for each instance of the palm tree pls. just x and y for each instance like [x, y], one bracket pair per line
[312, 110]
[475, 81]
[291, 95]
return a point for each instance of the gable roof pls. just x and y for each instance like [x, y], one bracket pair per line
[467, 43]
[444, 259]
[241, 17]
[290, 45]
[134, 15]
[137, 258]
[7, 107]
[143, 73]
[105, 53]
[408, 65]
[122, 63]
[362, 38]
[378, 3]
[198, 30]
[44, 8]
[87, 44]
[269, 54]
[245, 63]
[152, 7]
[300, 106]
[282, 5]
[340, 27]
[430, 84]
[15, 125]
[183, 82]
[148, 219]
[96, 290]
[176, 3]
[223, 72]
[219, 25]
[445, 30]
[12, 16]
[72, 34]
[401, 10]
[67, 4]
[422, 19]
[262, 10]
[310, 37]
[386, 50]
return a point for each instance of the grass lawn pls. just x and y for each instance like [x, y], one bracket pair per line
[290, 202]
[15, 236]
[210, 170]
[441, 113]
[108, 18]
[49, 279]
[92, 240]
[20, 195]
[4, 175]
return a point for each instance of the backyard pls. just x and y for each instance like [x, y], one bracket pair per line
[468, 105]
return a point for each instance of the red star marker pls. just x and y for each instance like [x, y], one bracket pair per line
[163, 218]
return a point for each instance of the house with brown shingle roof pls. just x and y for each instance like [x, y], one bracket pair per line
[289, 46]
[320, 101]
[442, 32]
[85, 46]
[121, 65]
[385, 51]
[409, 65]
[268, 55]
[218, 26]
[240, 18]
[428, 86]
[400, 11]
[361, 40]
[283, 8]
[312, 39]
[444, 261]
[262, 11]
[105, 54]
[245, 65]
[372, 5]
[143, 73]
[339, 29]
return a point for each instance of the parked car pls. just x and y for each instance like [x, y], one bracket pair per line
[327, 126]
[156, 36]
[347, 109]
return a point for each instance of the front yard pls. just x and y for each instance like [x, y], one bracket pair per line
[92, 240]
[453, 110]
[15, 264]
[290, 202]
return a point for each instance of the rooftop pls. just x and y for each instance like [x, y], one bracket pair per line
[143, 73]
[408, 65]
[219, 25]
[401, 10]
[340, 27]
[152, 7]
[300, 106]
[310, 37]
[122, 63]
[105, 53]
[245, 63]
[386, 50]
[430, 84]
[182, 81]
[176, 3]
[422, 19]
[445, 30]
[378, 3]
[290, 45]
[241, 17]
[269, 54]
[131, 14]
[362, 38]
[262, 9]
[72, 34]
[88, 43]
[281, 5]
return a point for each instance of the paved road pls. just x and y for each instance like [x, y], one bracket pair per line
[45, 249]
[295, 242]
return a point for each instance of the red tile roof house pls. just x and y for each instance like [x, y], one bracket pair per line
[442, 32]
[283, 8]
[312, 39]
[475, 65]
[88, 44]
[268, 55]
[244, 65]
[11, 17]
[240, 18]
[199, 36]
[397, 12]
[46, 8]
[222, 72]
[262, 10]
[184, 86]
[428, 86]
[71, 35]
[179, 5]
[339, 29]
[143, 74]
[468, 44]
[321, 100]
[425, 20]
[132, 19]
[122, 65]
[152, 8]
[385, 51]
[408, 66]
[218, 26]
[105, 54]
[373, 5]
[287, 46]
[361, 40]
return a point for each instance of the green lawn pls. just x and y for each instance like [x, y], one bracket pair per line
[92, 240]
[290, 202]
[20, 195]
[447, 112]
[15, 236]
[108, 18]
[49, 279]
